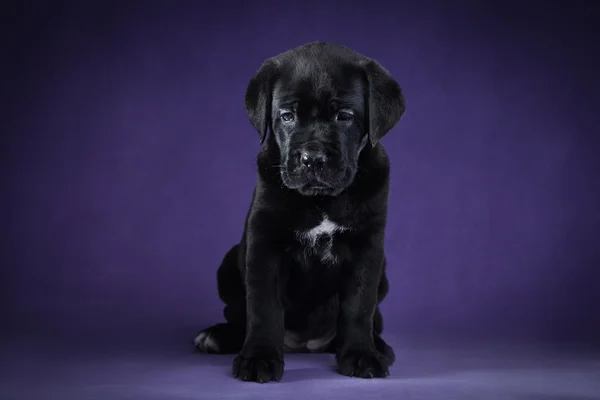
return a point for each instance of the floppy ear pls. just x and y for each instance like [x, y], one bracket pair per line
[385, 101]
[258, 98]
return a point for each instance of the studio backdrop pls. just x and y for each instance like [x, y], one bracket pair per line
[128, 162]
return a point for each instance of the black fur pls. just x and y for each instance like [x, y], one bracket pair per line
[274, 282]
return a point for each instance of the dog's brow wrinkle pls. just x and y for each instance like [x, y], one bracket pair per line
[287, 105]
[286, 95]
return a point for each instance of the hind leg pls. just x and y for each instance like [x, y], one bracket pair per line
[221, 338]
[228, 337]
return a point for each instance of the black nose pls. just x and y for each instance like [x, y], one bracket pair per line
[312, 158]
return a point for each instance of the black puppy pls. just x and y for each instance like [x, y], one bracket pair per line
[309, 272]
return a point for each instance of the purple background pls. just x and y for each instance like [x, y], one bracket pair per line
[128, 162]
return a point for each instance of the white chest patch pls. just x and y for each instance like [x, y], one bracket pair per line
[310, 238]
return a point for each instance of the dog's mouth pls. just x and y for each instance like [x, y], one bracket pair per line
[315, 183]
[312, 190]
[311, 184]
[326, 179]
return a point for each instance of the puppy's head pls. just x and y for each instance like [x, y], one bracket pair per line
[323, 103]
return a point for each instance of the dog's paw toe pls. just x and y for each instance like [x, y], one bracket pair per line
[261, 367]
[207, 343]
[363, 365]
[221, 339]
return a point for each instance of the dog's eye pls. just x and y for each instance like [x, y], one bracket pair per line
[287, 117]
[344, 116]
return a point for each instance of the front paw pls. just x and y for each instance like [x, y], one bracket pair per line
[258, 365]
[363, 364]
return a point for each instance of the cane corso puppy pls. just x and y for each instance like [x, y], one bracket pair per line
[309, 272]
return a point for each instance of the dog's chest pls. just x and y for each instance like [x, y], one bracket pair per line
[319, 240]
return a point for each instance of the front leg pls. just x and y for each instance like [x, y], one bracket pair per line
[261, 358]
[356, 354]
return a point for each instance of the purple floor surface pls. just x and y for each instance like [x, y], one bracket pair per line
[480, 372]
